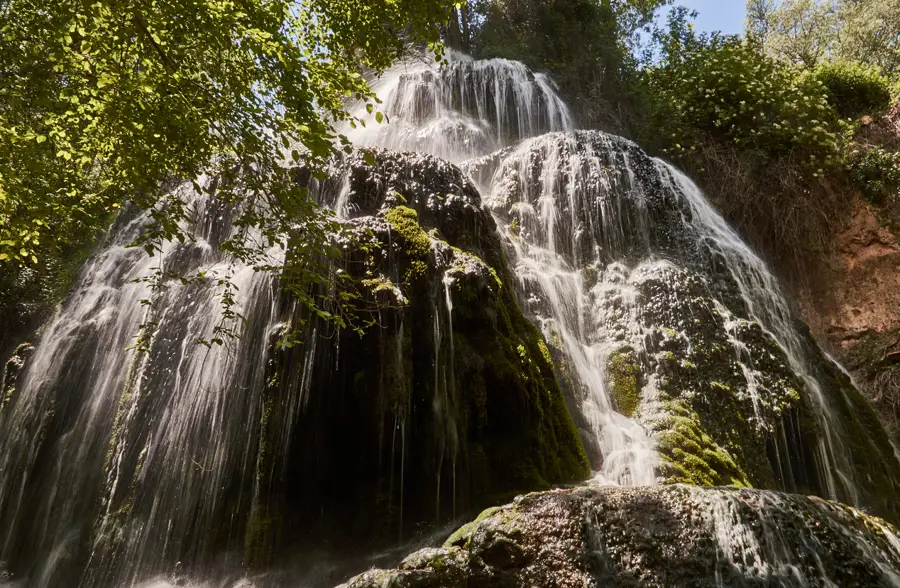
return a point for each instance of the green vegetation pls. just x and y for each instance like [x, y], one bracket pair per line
[724, 90]
[462, 536]
[106, 102]
[854, 88]
[589, 46]
[405, 222]
[768, 123]
[877, 172]
[808, 32]
[623, 371]
[691, 455]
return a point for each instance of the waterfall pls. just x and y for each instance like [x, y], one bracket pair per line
[129, 461]
[577, 210]
[465, 109]
[568, 214]
[468, 109]
[767, 305]
[124, 468]
[572, 211]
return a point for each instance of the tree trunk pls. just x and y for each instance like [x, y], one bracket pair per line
[466, 36]
[452, 34]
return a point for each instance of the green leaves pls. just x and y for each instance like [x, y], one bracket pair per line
[809, 32]
[725, 89]
[103, 102]
[854, 88]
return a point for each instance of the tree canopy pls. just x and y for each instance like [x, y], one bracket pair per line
[808, 31]
[107, 101]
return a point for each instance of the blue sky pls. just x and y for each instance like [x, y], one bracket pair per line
[718, 15]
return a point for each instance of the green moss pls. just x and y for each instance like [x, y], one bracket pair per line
[416, 243]
[623, 371]
[522, 381]
[404, 222]
[417, 270]
[462, 536]
[265, 451]
[496, 277]
[545, 352]
[259, 536]
[692, 456]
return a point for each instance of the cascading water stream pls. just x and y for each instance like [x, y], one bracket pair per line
[572, 207]
[115, 467]
[555, 208]
[134, 461]
[767, 305]
[468, 109]
[461, 110]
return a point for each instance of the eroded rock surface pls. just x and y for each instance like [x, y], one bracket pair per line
[670, 536]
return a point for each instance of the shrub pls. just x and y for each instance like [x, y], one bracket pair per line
[876, 171]
[854, 88]
[727, 90]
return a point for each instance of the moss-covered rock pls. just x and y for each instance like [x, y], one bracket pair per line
[449, 401]
[622, 372]
[691, 455]
[698, 343]
[658, 536]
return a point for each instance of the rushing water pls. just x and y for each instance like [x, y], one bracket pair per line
[753, 549]
[466, 109]
[114, 466]
[144, 456]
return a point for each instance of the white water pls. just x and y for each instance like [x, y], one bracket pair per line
[577, 208]
[768, 306]
[581, 241]
[467, 110]
[167, 424]
[559, 208]
[751, 546]
[463, 110]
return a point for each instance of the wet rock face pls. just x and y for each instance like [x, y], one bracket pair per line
[683, 355]
[11, 371]
[622, 254]
[658, 536]
[442, 196]
[610, 201]
[449, 400]
[719, 388]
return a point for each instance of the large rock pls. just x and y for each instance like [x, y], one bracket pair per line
[663, 536]
[447, 402]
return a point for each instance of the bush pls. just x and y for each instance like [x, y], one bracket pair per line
[876, 171]
[728, 91]
[854, 88]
